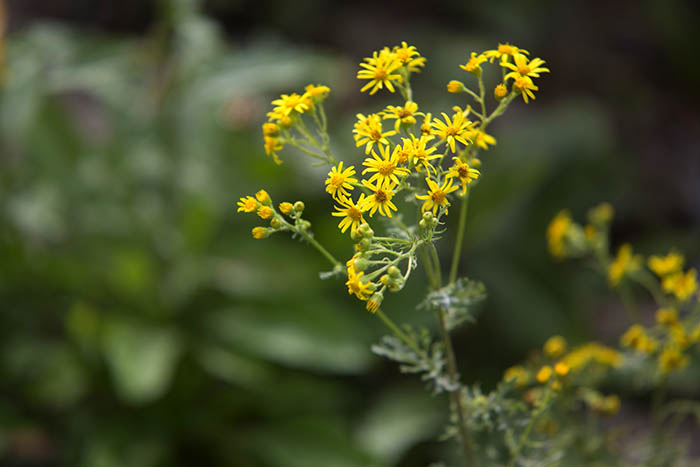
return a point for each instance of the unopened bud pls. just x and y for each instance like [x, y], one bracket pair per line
[299, 207]
[275, 223]
[455, 86]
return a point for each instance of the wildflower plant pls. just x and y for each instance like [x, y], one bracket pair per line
[417, 169]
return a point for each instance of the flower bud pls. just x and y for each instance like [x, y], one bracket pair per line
[455, 87]
[500, 92]
[428, 216]
[375, 302]
[299, 207]
[286, 207]
[356, 235]
[263, 197]
[394, 272]
[270, 129]
[364, 244]
[366, 231]
[422, 224]
[261, 232]
[304, 224]
[275, 223]
[361, 264]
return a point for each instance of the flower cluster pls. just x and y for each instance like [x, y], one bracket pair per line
[287, 219]
[390, 68]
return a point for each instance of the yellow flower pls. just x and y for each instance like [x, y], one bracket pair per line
[380, 69]
[623, 264]
[463, 172]
[380, 199]
[525, 86]
[637, 339]
[556, 233]
[374, 302]
[368, 130]
[247, 204]
[579, 357]
[260, 232]
[455, 129]
[544, 374]
[419, 154]
[409, 57]
[524, 67]
[671, 359]
[339, 181]
[356, 285]
[455, 87]
[426, 129]
[402, 153]
[350, 212]
[662, 266]
[500, 91]
[317, 92]
[405, 115]
[681, 285]
[555, 346]
[263, 197]
[503, 52]
[667, 316]
[561, 369]
[385, 168]
[437, 195]
[601, 214]
[272, 145]
[270, 129]
[517, 373]
[473, 66]
[482, 139]
[286, 207]
[288, 103]
[265, 212]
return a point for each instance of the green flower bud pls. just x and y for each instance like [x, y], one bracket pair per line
[275, 223]
[428, 216]
[304, 224]
[394, 272]
[299, 207]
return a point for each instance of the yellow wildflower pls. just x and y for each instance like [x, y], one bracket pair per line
[463, 172]
[525, 86]
[662, 266]
[419, 154]
[385, 168]
[500, 91]
[270, 129]
[482, 139]
[623, 264]
[265, 212]
[437, 195]
[272, 145]
[380, 199]
[637, 339]
[286, 207]
[339, 181]
[368, 130]
[544, 374]
[288, 103]
[555, 346]
[356, 285]
[473, 66]
[590, 232]
[671, 359]
[562, 369]
[667, 316]
[426, 129]
[350, 212]
[524, 67]
[455, 129]
[404, 115]
[263, 197]
[503, 52]
[409, 57]
[380, 70]
[317, 92]
[579, 357]
[455, 87]
[556, 233]
[402, 153]
[260, 232]
[517, 373]
[683, 286]
[247, 204]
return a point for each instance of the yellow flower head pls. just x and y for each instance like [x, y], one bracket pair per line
[455, 87]
[265, 212]
[437, 195]
[555, 346]
[556, 233]
[683, 286]
[667, 316]
[270, 129]
[500, 91]
[504, 52]
[374, 302]
[544, 374]
[420, 155]
[317, 93]
[671, 358]
[517, 373]
[339, 181]
[524, 68]
[261, 232]
[525, 86]
[272, 145]
[409, 57]
[664, 265]
[350, 212]
[356, 285]
[286, 207]
[624, 263]
[426, 129]
[263, 197]
[385, 168]
[288, 103]
[579, 357]
[380, 69]
[561, 369]
[482, 139]
[248, 204]
[380, 199]
[405, 115]
[473, 66]
[637, 339]
[452, 130]
[463, 172]
[368, 131]
[402, 154]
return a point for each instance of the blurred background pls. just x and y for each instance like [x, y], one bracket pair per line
[141, 325]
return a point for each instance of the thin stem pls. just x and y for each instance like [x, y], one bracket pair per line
[319, 247]
[428, 268]
[400, 334]
[526, 434]
[436, 265]
[460, 238]
[473, 94]
[467, 443]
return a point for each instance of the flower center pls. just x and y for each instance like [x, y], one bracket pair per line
[251, 205]
[451, 131]
[337, 180]
[438, 196]
[354, 213]
[506, 49]
[380, 74]
[386, 168]
[402, 157]
[380, 196]
[520, 84]
[463, 171]
[376, 135]
[523, 70]
[403, 113]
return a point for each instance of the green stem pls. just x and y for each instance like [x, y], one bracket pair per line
[526, 434]
[460, 238]
[319, 247]
[436, 265]
[400, 334]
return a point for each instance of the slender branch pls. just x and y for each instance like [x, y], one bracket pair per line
[460, 238]
[400, 334]
[319, 247]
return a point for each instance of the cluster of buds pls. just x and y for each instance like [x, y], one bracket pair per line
[262, 205]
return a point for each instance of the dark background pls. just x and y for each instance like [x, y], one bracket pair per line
[142, 325]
